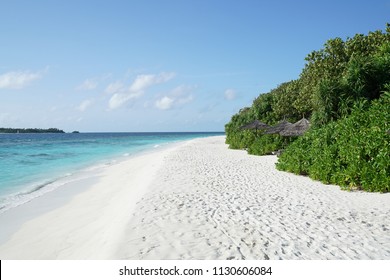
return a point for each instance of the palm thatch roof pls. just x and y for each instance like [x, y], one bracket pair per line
[278, 128]
[297, 128]
[255, 125]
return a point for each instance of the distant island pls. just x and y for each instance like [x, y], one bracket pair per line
[30, 130]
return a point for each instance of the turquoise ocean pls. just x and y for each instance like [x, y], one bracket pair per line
[34, 164]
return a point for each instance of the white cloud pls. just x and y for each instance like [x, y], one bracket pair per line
[84, 105]
[230, 94]
[142, 82]
[182, 90]
[122, 95]
[177, 97]
[164, 103]
[88, 84]
[119, 99]
[19, 79]
[114, 87]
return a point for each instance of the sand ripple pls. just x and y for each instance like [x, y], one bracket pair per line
[208, 202]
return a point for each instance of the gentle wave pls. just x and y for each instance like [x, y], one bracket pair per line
[25, 196]
[37, 164]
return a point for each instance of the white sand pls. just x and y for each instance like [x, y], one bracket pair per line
[201, 200]
[90, 225]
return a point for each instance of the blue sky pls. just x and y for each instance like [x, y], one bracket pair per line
[159, 65]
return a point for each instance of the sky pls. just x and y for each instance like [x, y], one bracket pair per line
[159, 65]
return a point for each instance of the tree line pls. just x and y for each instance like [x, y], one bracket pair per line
[30, 130]
[338, 85]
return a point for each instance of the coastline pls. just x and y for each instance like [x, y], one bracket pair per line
[34, 164]
[73, 213]
[200, 200]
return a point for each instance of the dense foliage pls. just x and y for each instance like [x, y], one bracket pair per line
[335, 82]
[267, 144]
[30, 130]
[353, 152]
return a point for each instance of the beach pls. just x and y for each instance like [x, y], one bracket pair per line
[199, 200]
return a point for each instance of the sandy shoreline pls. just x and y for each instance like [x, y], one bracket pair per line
[84, 220]
[200, 200]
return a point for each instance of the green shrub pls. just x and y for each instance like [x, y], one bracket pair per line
[241, 139]
[268, 143]
[353, 152]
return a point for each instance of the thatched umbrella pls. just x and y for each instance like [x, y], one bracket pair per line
[278, 128]
[255, 125]
[297, 128]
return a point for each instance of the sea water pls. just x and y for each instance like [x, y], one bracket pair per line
[34, 164]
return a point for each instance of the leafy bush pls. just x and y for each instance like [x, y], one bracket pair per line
[242, 139]
[353, 152]
[266, 144]
[341, 90]
[332, 80]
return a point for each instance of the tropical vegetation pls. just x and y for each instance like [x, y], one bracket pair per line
[344, 91]
[30, 130]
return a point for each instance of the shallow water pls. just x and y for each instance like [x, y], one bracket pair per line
[34, 164]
